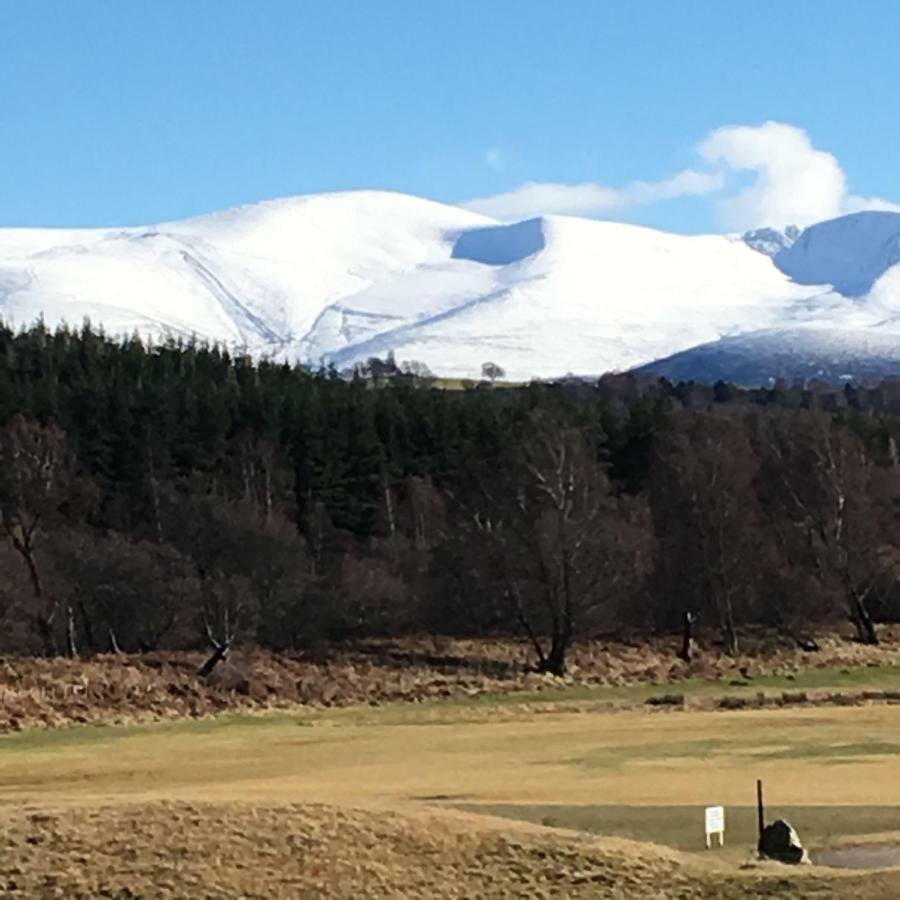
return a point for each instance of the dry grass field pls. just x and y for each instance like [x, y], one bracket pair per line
[391, 801]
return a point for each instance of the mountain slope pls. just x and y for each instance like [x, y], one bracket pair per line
[336, 278]
[593, 296]
[759, 357]
[258, 276]
[851, 252]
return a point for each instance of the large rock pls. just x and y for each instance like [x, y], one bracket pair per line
[780, 841]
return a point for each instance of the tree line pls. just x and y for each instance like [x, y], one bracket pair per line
[179, 496]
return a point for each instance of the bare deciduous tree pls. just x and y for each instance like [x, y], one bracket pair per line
[562, 542]
[36, 484]
[706, 518]
[128, 595]
[816, 476]
[492, 371]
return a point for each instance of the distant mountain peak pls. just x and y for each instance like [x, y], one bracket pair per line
[771, 241]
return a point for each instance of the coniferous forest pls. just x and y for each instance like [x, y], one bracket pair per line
[177, 496]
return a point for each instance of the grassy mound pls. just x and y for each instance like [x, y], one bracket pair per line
[203, 850]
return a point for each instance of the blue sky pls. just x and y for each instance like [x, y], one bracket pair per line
[118, 112]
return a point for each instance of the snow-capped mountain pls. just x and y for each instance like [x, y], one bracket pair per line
[337, 278]
[853, 332]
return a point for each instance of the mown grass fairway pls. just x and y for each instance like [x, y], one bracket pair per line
[516, 753]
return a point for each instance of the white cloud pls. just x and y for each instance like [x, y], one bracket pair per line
[794, 184]
[589, 199]
[791, 183]
[854, 203]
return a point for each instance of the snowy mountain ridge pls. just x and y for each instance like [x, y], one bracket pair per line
[337, 278]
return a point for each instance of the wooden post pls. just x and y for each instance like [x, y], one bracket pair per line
[687, 636]
[760, 812]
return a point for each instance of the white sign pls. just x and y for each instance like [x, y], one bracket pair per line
[715, 824]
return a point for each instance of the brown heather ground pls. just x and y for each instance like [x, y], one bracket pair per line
[125, 688]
